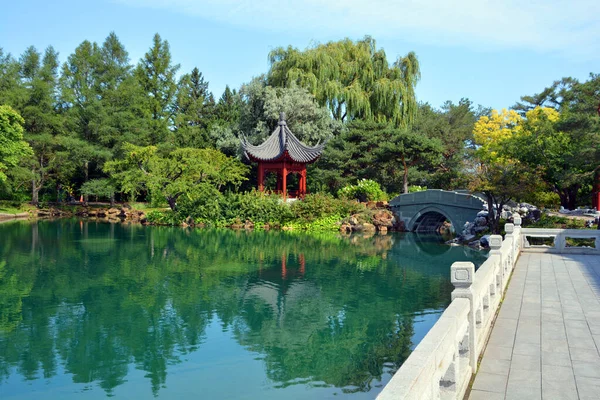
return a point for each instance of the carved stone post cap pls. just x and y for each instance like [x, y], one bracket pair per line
[462, 274]
[509, 228]
[517, 220]
[495, 242]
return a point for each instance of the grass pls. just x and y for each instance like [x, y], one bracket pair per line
[555, 221]
[11, 207]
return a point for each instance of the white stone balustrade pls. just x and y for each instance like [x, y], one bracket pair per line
[441, 365]
[560, 242]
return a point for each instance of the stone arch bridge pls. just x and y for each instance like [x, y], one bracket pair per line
[427, 210]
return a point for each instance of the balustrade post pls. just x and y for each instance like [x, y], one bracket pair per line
[517, 235]
[462, 276]
[510, 237]
[495, 245]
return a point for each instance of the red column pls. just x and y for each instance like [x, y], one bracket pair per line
[261, 176]
[302, 264]
[283, 266]
[284, 181]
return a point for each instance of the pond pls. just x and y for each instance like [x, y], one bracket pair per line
[90, 310]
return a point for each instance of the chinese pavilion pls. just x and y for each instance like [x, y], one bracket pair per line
[284, 154]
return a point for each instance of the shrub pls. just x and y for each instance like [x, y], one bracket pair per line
[315, 206]
[364, 190]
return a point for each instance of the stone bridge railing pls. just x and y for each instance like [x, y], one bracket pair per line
[441, 366]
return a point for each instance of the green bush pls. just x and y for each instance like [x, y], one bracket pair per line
[316, 206]
[364, 190]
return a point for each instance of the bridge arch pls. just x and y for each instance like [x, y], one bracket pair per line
[428, 209]
[429, 219]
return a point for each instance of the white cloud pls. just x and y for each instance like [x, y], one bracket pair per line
[570, 27]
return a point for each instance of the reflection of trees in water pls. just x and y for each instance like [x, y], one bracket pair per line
[98, 297]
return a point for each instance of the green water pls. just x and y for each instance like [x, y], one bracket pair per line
[90, 310]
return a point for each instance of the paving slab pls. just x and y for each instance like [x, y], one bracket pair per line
[545, 343]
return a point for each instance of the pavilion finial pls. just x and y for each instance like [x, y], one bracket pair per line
[282, 118]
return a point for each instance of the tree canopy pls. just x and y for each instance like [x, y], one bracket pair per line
[354, 80]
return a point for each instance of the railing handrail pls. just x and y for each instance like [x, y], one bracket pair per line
[443, 362]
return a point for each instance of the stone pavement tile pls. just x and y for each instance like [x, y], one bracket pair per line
[502, 337]
[586, 369]
[583, 354]
[558, 317]
[525, 363]
[524, 385]
[528, 334]
[529, 349]
[585, 342]
[559, 359]
[509, 324]
[490, 382]
[557, 346]
[558, 383]
[588, 388]
[498, 352]
[481, 395]
[553, 331]
[494, 366]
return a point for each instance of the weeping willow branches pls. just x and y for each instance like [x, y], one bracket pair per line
[352, 79]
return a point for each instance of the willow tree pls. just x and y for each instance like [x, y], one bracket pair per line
[352, 79]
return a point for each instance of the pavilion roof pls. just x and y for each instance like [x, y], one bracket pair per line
[280, 144]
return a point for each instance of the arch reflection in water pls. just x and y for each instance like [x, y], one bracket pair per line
[166, 312]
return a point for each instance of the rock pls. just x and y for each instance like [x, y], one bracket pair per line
[346, 228]
[236, 226]
[485, 241]
[481, 221]
[475, 244]
[249, 225]
[382, 229]
[382, 204]
[113, 211]
[482, 213]
[371, 205]
[468, 237]
[480, 229]
[536, 214]
[368, 227]
[383, 218]
[353, 220]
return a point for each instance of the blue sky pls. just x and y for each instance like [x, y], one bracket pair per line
[492, 52]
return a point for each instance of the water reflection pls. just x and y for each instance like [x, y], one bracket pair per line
[85, 305]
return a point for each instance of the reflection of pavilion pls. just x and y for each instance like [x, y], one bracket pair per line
[284, 288]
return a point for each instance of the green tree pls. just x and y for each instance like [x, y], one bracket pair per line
[194, 111]
[262, 105]
[408, 149]
[43, 123]
[156, 76]
[352, 79]
[12, 145]
[172, 174]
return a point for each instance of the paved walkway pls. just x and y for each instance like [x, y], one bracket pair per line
[545, 343]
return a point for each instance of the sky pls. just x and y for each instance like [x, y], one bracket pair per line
[492, 52]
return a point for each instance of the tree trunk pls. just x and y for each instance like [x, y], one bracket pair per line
[405, 177]
[493, 218]
[86, 169]
[172, 202]
[112, 200]
[34, 193]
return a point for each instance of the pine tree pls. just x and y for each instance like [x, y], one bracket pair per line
[156, 76]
